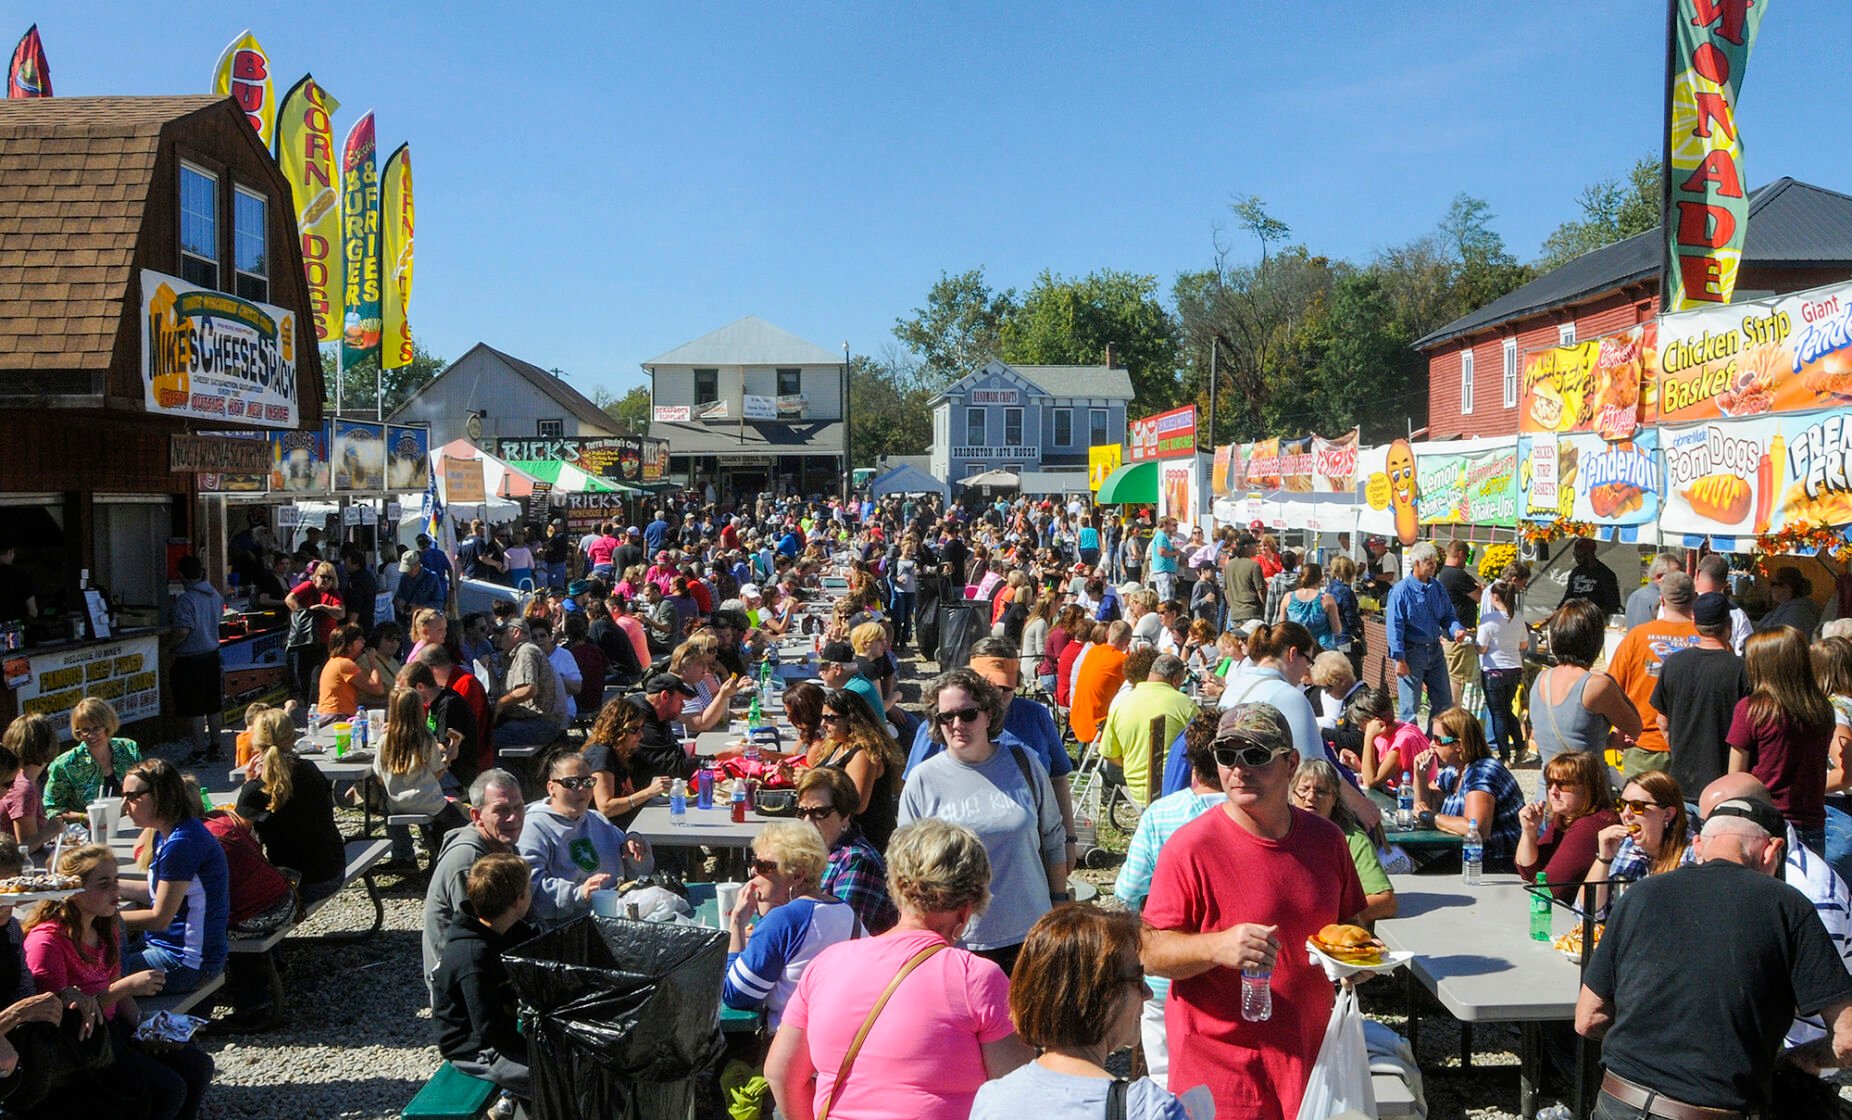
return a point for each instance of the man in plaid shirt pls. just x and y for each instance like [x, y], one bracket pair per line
[826, 797]
[1160, 820]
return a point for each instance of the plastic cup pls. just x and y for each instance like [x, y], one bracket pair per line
[726, 897]
[112, 807]
[605, 904]
[376, 725]
[343, 737]
[99, 823]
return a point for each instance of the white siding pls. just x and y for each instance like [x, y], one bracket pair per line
[480, 381]
[674, 385]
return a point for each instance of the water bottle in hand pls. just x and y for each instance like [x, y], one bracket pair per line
[1472, 854]
[1257, 994]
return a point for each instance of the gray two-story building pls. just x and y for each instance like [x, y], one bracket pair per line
[1032, 421]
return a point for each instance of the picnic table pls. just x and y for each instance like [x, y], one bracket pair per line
[1431, 840]
[1472, 949]
[358, 772]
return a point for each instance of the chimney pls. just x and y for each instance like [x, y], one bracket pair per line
[1109, 362]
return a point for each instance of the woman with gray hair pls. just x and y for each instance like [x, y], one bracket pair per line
[1001, 793]
[848, 1048]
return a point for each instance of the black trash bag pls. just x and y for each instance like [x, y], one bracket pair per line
[961, 624]
[620, 1016]
[926, 615]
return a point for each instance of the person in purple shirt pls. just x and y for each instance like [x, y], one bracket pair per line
[1419, 613]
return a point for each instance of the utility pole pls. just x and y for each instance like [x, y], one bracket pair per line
[848, 461]
[1210, 489]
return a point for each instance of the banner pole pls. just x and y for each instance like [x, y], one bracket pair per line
[1666, 263]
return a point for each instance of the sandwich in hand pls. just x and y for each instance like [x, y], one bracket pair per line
[1349, 944]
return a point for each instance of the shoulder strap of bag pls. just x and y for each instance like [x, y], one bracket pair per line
[1115, 1098]
[1028, 777]
[861, 1036]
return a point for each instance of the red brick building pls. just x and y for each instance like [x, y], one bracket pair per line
[1800, 237]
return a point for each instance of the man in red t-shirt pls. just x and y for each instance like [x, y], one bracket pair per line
[1243, 886]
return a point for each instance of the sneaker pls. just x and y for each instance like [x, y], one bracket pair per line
[503, 1108]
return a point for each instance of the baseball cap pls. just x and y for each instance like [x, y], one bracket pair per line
[749, 590]
[658, 683]
[1260, 724]
[842, 653]
[1711, 609]
[1754, 810]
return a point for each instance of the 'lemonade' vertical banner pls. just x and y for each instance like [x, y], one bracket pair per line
[243, 72]
[305, 152]
[360, 320]
[1708, 200]
[397, 215]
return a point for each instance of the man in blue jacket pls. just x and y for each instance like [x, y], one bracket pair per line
[1419, 614]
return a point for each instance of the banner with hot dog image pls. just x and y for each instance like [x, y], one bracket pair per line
[1591, 386]
[1390, 487]
[1741, 478]
[1586, 478]
[1790, 353]
[305, 153]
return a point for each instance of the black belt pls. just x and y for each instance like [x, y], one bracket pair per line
[1655, 1103]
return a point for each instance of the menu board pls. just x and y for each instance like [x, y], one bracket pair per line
[125, 672]
[1586, 478]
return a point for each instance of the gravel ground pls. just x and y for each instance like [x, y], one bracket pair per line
[356, 1041]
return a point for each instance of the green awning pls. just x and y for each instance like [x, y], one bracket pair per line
[1133, 485]
[568, 479]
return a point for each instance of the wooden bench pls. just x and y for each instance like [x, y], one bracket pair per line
[180, 1002]
[1393, 1097]
[450, 1094]
[362, 856]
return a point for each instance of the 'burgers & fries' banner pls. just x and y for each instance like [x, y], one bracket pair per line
[1743, 477]
[305, 152]
[1790, 353]
[360, 321]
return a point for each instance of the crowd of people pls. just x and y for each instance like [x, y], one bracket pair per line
[1218, 680]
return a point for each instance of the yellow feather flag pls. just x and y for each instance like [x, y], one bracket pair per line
[244, 73]
[397, 216]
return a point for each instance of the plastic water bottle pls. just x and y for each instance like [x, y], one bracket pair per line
[1472, 853]
[360, 733]
[26, 866]
[1405, 803]
[315, 718]
[750, 752]
[678, 803]
[1540, 910]
[1257, 994]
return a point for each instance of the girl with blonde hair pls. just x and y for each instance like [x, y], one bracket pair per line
[290, 805]
[410, 767]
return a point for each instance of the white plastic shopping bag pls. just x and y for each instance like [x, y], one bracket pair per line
[1340, 1080]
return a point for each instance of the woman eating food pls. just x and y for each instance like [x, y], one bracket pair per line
[1560, 834]
[1653, 836]
[1474, 787]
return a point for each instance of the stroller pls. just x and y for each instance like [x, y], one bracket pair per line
[1096, 797]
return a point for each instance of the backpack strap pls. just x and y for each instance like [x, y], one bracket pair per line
[1115, 1098]
[861, 1036]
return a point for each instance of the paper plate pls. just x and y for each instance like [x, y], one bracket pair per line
[24, 897]
[1338, 970]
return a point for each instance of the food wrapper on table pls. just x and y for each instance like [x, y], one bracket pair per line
[169, 1028]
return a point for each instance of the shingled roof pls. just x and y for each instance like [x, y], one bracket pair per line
[75, 174]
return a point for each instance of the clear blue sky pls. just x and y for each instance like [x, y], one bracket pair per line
[596, 187]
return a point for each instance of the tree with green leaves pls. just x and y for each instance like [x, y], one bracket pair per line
[364, 389]
[630, 412]
[890, 407]
[1613, 209]
[1484, 268]
[1063, 321]
[959, 329]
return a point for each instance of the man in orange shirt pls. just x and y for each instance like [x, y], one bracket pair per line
[1636, 663]
[1101, 674]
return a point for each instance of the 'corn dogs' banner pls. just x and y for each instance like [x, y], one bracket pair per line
[1739, 478]
[244, 73]
[360, 320]
[1708, 203]
[305, 152]
[395, 348]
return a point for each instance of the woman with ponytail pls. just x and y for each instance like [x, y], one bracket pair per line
[290, 805]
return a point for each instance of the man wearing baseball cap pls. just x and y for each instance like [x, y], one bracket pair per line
[836, 667]
[1244, 886]
[1699, 973]
[659, 751]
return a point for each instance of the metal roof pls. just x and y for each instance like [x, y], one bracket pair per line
[1791, 225]
[573, 401]
[750, 341]
[1058, 381]
[815, 437]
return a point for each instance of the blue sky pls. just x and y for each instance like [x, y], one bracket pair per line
[596, 187]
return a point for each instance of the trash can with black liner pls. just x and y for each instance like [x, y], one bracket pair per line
[621, 1016]
[962, 623]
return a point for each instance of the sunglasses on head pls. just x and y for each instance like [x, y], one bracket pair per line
[814, 812]
[1245, 753]
[960, 715]
[577, 783]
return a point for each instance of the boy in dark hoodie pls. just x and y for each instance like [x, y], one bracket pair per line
[473, 1004]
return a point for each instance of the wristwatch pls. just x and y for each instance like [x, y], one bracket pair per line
[1060, 896]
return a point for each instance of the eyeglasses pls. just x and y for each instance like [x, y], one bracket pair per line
[1638, 806]
[765, 867]
[961, 715]
[814, 812]
[586, 782]
[86, 732]
[1245, 753]
[130, 795]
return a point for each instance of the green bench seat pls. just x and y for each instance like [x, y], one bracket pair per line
[450, 1094]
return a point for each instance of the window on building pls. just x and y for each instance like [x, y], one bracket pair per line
[1466, 382]
[1064, 427]
[250, 256]
[790, 382]
[1565, 334]
[974, 427]
[1096, 427]
[1012, 427]
[707, 386]
[1511, 373]
[550, 429]
[199, 226]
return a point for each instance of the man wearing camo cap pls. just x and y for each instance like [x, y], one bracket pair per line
[1242, 887]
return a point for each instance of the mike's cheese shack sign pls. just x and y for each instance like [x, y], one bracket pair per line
[208, 355]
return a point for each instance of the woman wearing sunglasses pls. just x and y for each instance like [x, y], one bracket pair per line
[610, 750]
[571, 850]
[187, 896]
[1653, 836]
[1473, 786]
[856, 872]
[1561, 833]
[1003, 795]
[856, 744]
[783, 919]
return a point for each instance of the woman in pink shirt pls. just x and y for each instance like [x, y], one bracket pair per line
[22, 806]
[1389, 746]
[945, 1031]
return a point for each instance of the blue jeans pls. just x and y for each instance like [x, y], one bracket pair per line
[1501, 688]
[1839, 835]
[902, 607]
[1427, 667]
[180, 978]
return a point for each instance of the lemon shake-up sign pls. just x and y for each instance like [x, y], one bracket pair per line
[207, 355]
